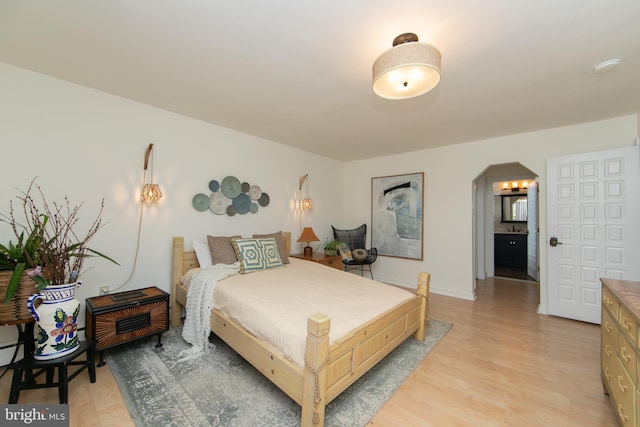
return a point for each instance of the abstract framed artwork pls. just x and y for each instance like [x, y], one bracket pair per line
[396, 215]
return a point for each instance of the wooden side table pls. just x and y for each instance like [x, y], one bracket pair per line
[122, 317]
[23, 381]
[320, 258]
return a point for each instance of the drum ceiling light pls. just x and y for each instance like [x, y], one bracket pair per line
[407, 70]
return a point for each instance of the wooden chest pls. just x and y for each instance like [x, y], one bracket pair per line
[122, 317]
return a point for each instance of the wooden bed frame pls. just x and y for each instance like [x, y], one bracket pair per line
[328, 369]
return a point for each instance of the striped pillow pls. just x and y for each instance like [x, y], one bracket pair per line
[256, 254]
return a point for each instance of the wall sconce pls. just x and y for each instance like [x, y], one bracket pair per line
[515, 186]
[308, 236]
[306, 203]
[150, 192]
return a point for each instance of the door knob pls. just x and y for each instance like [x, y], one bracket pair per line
[554, 242]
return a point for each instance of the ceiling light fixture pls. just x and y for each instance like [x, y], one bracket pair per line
[407, 70]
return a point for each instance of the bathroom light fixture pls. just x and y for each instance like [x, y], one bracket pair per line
[308, 236]
[515, 186]
[407, 70]
[150, 192]
[306, 202]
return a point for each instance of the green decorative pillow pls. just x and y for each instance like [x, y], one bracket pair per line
[257, 254]
[345, 252]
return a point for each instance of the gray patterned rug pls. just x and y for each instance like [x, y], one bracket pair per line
[221, 389]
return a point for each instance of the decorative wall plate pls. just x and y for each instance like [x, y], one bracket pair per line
[255, 192]
[264, 200]
[214, 185]
[242, 203]
[219, 203]
[231, 187]
[200, 202]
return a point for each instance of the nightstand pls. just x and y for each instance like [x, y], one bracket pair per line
[123, 317]
[320, 258]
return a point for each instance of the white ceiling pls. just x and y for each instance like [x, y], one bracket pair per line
[299, 72]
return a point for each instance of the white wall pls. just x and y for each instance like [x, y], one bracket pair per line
[448, 211]
[90, 145]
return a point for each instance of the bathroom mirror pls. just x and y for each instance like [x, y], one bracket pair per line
[514, 208]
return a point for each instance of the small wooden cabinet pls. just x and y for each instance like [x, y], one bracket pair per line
[321, 258]
[510, 250]
[122, 317]
[620, 354]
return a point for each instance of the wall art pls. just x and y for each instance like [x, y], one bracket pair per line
[231, 197]
[396, 215]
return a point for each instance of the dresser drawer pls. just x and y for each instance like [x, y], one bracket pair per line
[624, 395]
[609, 332]
[627, 355]
[609, 302]
[627, 323]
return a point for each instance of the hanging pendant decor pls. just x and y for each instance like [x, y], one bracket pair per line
[231, 197]
[56, 320]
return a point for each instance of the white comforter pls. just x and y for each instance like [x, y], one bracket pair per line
[274, 304]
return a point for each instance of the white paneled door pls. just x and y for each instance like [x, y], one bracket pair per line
[593, 225]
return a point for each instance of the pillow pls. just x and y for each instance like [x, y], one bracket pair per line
[256, 254]
[221, 249]
[359, 254]
[201, 248]
[282, 250]
[345, 252]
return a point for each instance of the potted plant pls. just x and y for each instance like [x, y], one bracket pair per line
[15, 285]
[331, 247]
[52, 256]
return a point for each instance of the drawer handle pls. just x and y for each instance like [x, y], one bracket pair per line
[622, 386]
[607, 350]
[623, 417]
[624, 354]
[626, 324]
[608, 327]
[607, 375]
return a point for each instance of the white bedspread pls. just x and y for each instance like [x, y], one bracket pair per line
[274, 304]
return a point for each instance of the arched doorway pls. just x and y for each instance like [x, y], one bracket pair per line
[492, 225]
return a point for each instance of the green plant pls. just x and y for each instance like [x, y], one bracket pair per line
[53, 251]
[332, 245]
[15, 257]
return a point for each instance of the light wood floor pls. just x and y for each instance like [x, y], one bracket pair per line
[500, 365]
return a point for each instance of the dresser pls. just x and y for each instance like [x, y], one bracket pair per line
[620, 353]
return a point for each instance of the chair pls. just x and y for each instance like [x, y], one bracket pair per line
[355, 239]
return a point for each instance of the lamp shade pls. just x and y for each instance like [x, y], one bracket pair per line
[407, 70]
[151, 193]
[308, 235]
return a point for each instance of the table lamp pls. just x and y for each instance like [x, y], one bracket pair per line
[308, 236]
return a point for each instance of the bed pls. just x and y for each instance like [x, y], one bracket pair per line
[329, 366]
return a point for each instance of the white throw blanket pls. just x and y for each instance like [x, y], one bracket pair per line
[196, 328]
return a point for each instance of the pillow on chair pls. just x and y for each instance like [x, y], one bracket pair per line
[345, 252]
[360, 254]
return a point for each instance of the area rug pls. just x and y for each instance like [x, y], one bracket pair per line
[221, 389]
